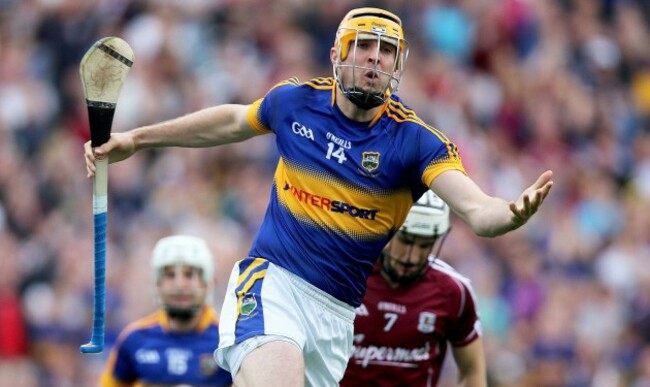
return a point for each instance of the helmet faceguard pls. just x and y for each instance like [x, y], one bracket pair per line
[178, 251]
[428, 219]
[369, 24]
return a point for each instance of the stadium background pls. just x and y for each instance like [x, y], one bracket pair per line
[519, 85]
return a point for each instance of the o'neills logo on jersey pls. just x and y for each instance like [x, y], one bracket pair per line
[328, 204]
[389, 356]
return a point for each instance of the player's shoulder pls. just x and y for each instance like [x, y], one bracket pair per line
[398, 111]
[291, 94]
[320, 83]
[286, 84]
[398, 114]
[141, 326]
[294, 85]
[445, 272]
[209, 319]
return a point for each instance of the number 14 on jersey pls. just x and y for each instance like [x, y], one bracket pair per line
[338, 153]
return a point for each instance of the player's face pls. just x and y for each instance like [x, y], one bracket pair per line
[182, 286]
[407, 254]
[370, 65]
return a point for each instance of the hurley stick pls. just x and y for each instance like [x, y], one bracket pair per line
[103, 70]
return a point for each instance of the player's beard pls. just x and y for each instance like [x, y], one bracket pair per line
[397, 278]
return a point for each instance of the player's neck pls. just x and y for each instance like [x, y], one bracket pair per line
[352, 111]
[391, 283]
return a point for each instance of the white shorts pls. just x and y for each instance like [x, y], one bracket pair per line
[266, 303]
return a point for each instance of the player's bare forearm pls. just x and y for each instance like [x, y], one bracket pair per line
[470, 359]
[490, 216]
[491, 219]
[472, 380]
[487, 216]
[208, 127]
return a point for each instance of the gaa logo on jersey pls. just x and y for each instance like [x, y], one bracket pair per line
[370, 161]
[248, 305]
[302, 130]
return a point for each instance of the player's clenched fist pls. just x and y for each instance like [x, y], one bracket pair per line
[119, 147]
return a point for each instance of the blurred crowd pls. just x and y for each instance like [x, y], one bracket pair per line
[519, 85]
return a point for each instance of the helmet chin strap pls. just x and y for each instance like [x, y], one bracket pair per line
[182, 314]
[363, 100]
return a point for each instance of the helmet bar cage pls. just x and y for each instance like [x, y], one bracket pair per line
[394, 76]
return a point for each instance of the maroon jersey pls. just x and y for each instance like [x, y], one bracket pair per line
[401, 335]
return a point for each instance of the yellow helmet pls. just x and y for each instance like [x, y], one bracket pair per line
[363, 24]
[373, 21]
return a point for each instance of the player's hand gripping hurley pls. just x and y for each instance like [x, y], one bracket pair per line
[103, 70]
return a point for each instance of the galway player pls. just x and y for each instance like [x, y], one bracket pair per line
[414, 307]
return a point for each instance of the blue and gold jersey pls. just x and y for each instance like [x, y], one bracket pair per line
[147, 353]
[341, 188]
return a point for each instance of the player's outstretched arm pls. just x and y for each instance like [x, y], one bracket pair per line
[490, 216]
[208, 127]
